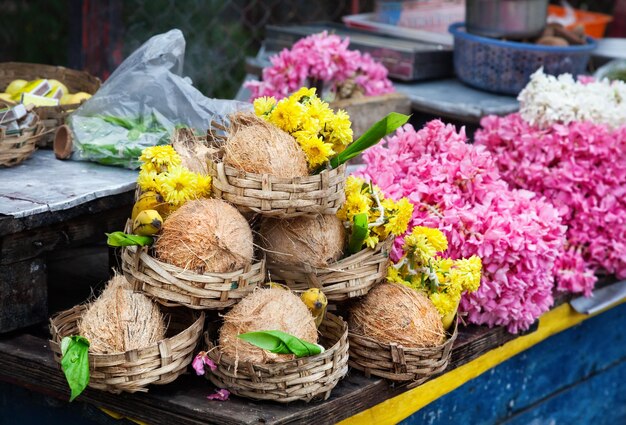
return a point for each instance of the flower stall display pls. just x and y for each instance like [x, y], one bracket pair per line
[457, 188]
[568, 144]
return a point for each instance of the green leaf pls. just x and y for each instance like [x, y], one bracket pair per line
[117, 239]
[281, 343]
[75, 363]
[382, 128]
[360, 231]
[122, 122]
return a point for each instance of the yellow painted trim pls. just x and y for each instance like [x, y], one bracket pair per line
[404, 405]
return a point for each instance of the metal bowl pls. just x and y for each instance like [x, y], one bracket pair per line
[512, 19]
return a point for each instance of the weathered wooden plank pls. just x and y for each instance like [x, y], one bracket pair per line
[23, 294]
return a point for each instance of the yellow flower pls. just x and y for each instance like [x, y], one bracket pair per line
[148, 180]
[417, 247]
[304, 94]
[393, 275]
[380, 231]
[354, 185]
[178, 186]
[317, 152]
[203, 185]
[434, 236]
[149, 167]
[318, 109]
[444, 302]
[287, 115]
[467, 272]
[339, 130]
[264, 105]
[442, 267]
[371, 241]
[399, 217]
[162, 157]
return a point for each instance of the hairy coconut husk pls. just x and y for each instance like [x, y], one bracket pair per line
[395, 313]
[193, 152]
[120, 320]
[256, 146]
[314, 240]
[206, 235]
[267, 309]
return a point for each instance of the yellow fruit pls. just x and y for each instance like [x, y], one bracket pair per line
[56, 83]
[147, 223]
[316, 302]
[150, 201]
[278, 286]
[80, 96]
[15, 86]
[6, 96]
[67, 99]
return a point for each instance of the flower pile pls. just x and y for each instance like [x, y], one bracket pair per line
[547, 100]
[385, 216]
[321, 133]
[162, 171]
[321, 58]
[457, 188]
[422, 268]
[581, 168]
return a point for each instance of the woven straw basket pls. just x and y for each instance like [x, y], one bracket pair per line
[173, 286]
[307, 378]
[131, 371]
[277, 197]
[349, 277]
[51, 116]
[18, 148]
[397, 363]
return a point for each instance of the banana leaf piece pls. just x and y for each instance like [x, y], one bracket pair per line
[360, 231]
[281, 343]
[117, 239]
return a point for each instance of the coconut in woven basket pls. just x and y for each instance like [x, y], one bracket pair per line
[269, 347]
[198, 251]
[288, 158]
[344, 254]
[123, 341]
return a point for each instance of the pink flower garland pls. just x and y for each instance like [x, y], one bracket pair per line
[581, 169]
[324, 58]
[457, 188]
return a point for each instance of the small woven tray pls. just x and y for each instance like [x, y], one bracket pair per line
[17, 148]
[173, 286]
[132, 371]
[307, 378]
[277, 197]
[397, 363]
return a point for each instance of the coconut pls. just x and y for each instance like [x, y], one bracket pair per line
[120, 320]
[256, 146]
[314, 240]
[206, 235]
[192, 150]
[265, 310]
[396, 313]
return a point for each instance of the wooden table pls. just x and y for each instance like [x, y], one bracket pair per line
[45, 205]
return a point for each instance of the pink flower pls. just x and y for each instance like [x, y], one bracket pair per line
[221, 395]
[201, 360]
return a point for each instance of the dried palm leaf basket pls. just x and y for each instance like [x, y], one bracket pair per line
[272, 196]
[398, 363]
[51, 116]
[132, 371]
[349, 277]
[306, 378]
[18, 147]
[173, 286]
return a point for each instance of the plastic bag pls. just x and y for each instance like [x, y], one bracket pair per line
[613, 70]
[141, 104]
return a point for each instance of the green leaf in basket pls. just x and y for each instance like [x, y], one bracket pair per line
[75, 363]
[281, 343]
[117, 239]
[382, 128]
[360, 231]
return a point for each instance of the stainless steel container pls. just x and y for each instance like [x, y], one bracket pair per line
[512, 19]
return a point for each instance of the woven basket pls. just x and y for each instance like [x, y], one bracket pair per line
[277, 197]
[51, 116]
[132, 371]
[16, 148]
[307, 378]
[173, 286]
[349, 277]
[397, 363]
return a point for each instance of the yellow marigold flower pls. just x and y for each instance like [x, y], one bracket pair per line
[311, 125]
[434, 236]
[399, 216]
[371, 241]
[393, 275]
[304, 94]
[442, 267]
[339, 130]
[467, 272]
[148, 167]
[178, 186]
[263, 106]
[203, 185]
[163, 155]
[381, 231]
[148, 180]
[444, 302]
[355, 185]
[318, 109]
[317, 152]
[417, 247]
[287, 115]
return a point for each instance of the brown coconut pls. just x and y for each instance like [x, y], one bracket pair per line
[396, 313]
[256, 146]
[120, 320]
[314, 240]
[264, 310]
[206, 235]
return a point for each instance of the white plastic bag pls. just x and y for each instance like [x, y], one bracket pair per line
[141, 103]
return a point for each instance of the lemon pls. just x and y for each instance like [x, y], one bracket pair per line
[15, 86]
[56, 83]
[67, 99]
[6, 96]
[80, 96]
